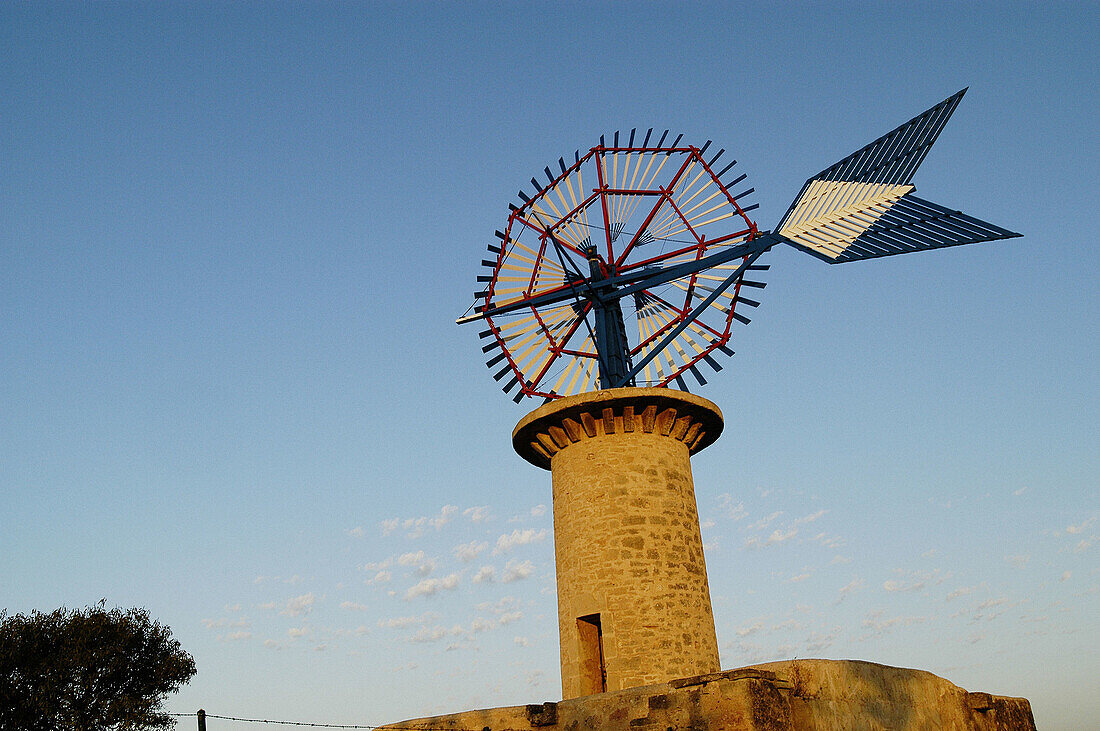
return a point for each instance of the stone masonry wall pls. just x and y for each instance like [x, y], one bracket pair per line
[798, 695]
[626, 537]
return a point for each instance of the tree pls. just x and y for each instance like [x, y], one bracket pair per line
[87, 670]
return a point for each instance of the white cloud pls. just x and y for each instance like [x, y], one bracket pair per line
[916, 580]
[295, 579]
[817, 643]
[1019, 561]
[810, 518]
[477, 514]
[354, 606]
[416, 526]
[798, 578]
[380, 578]
[271, 644]
[356, 532]
[402, 622]
[500, 606]
[514, 571]
[854, 585]
[479, 624]
[410, 559]
[777, 536]
[831, 542]
[445, 515]
[895, 585]
[538, 511]
[296, 632]
[961, 591]
[518, 537]
[1021, 491]
[469, 551]
[509, 617]
[987, 610]
[874, 621]
[429, 587]
[213, 623]
[522, 641]
[236, 636]
[1080, 527]
[376, 565]
[423, 564]
[397, 622]
[429, 634]
[732, 511]
[484, 575]
[763, 522]
[784, 534]
[299, 605]
[750, 629]
[1066, 575]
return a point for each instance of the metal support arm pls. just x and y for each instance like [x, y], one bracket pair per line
[672, 334]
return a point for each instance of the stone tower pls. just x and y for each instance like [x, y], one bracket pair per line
[633, 601]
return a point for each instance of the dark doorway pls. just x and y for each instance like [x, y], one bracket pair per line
[593, 671]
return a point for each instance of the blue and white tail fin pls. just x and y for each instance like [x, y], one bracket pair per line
[863, 207]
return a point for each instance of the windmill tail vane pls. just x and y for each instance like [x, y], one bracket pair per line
[655, 230]
[863, 206]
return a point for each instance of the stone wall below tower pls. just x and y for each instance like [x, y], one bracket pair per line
[794, 695]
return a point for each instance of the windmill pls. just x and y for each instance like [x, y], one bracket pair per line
[653, 232]
[657, 234]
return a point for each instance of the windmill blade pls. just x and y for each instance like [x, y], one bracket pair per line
[887, 224]
[914, 224]
[894, 157]
[862, 207]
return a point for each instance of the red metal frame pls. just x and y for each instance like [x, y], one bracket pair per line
[525, 217]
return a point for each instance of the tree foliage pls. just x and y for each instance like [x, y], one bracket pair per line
[88, 669]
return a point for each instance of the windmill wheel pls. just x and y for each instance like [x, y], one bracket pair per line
[608, 219]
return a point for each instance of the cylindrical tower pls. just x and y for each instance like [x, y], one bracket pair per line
[633, 600]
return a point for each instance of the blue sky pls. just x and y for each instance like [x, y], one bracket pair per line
[233, 241]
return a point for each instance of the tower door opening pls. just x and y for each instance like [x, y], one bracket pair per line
[593, 671]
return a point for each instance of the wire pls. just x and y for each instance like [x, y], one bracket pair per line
[665, 239]
[283, 723]
[326, 725]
